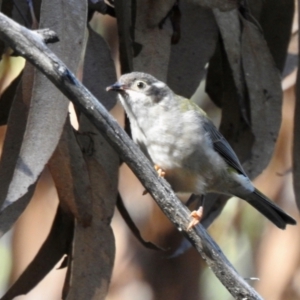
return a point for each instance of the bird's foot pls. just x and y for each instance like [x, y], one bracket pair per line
[197, 216]
[160, 172]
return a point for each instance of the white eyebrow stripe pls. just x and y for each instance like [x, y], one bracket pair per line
[159, 84]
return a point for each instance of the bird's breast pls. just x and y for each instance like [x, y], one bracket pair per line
[181, 148]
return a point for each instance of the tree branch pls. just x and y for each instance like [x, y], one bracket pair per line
[32, 47]
[49, 36]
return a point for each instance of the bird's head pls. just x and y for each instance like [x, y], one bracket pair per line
[141, 89]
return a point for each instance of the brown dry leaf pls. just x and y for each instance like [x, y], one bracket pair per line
[220, 4]
[55, 246]
[265, 94]
[69, 173]
[49, 107]
[156, 42]
[188, 58]
[91, 272]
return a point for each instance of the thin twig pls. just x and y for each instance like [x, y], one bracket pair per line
[34, 50]
[49, 36]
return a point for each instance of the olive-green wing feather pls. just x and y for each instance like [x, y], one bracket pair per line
[222, 147]
[219, 142]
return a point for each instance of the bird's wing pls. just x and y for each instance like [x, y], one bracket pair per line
[222, 147]
[219, 142]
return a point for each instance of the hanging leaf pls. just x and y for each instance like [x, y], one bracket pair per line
[230, 29]
[155, 41]
[55, 246]
[99, 69]
[221, 88]
[275, 19]
[199, 35]
[264, 89]
[70, 176]
[15, 131]
[92, 271]
[135, 231]
[10, 214]
[126, 33]
[49, 107]
[223, 5]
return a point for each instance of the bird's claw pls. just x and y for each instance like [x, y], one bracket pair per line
[160, 172]
[197, 216]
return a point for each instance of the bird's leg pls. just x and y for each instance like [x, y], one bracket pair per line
[160, 172]
[196, 215]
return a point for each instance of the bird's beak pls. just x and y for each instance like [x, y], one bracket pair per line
[116, 87]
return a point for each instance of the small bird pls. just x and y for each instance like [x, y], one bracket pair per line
[185, 146]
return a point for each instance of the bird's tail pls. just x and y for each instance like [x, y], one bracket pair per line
[269, 209]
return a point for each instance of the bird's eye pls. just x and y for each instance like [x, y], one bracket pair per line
[141, 85]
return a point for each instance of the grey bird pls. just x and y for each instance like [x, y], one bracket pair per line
[186, 147]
